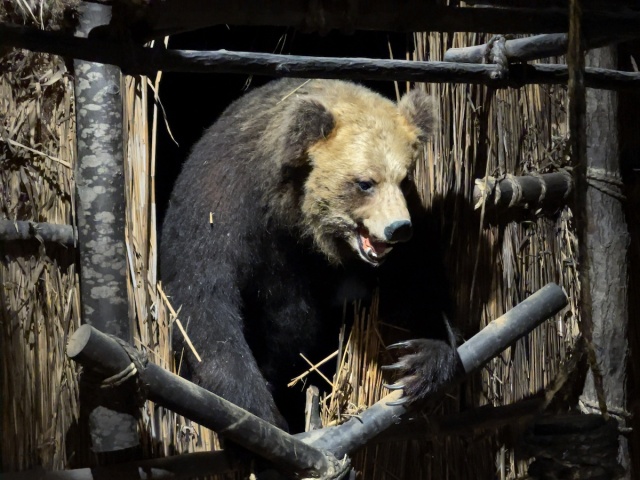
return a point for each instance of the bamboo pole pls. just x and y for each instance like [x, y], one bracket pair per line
[526, 191]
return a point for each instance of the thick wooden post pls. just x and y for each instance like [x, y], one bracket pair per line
[101, 220]
[606, 242]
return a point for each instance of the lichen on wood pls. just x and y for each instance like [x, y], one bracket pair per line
[101, 217]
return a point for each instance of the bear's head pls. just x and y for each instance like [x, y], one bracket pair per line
[360, 150]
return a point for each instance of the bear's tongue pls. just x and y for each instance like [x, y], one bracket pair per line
[377, 249]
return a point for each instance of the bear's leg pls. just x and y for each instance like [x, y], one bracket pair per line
[292, 324]
[229, 369]
[414, 294]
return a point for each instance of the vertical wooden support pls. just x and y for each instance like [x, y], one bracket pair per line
[606, 243]
[602, 231]
[101, 219]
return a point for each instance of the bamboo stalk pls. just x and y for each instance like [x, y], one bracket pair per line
[529, 191]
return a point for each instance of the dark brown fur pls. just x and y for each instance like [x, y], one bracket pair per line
[282, 172]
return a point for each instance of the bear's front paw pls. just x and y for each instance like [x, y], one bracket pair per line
[423, 369]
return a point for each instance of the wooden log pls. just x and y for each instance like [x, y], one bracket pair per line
[47, 232]
[602, 233]
[529, 191]
[532, 48]
[605, 245]
[102, 354]
[142, 60]
[101, 218]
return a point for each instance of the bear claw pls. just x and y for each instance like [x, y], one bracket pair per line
[425, 367]
[399, 402]
[394, 386]
[401, 345]
[401, 365]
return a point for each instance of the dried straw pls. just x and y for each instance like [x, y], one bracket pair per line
[39, 302]
[164, 433]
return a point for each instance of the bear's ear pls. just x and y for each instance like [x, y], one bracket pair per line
[419, 108]
[308, 122]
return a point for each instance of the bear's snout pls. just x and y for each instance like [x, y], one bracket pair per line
[398, 231]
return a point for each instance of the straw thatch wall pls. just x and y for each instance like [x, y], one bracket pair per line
[164, 433]
[39, 294]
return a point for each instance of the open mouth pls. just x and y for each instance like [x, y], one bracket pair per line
[372, 251]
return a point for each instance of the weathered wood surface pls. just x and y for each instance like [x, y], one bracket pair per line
[141, 60]
[606, 242]
[101, 220]
[532, 48]
[47, 232]
[100, 189]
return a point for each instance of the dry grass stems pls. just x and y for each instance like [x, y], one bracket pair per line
[164, 432]
[39, 301]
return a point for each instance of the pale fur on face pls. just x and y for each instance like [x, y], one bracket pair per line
[372, 141]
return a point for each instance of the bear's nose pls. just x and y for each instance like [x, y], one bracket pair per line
[399, 231]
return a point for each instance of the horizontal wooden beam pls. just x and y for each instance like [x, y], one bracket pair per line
[156, 19]
[46, 232]
[142, 60]
[528, 191]
[532, 48]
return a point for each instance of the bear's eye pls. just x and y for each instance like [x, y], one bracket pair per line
[364, 185]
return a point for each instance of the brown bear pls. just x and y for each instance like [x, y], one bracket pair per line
[290, 204]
